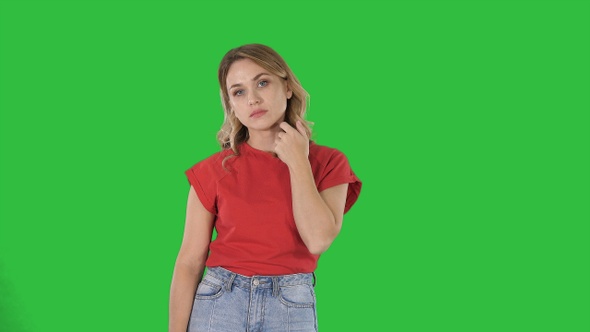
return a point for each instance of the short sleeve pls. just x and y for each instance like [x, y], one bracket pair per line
[201, 178]
[338, 171]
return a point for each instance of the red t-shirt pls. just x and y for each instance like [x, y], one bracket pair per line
[251, 201]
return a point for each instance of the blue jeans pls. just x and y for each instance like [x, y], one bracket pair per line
[229, 302]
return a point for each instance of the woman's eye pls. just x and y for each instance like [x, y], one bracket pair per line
[262, 83]
[238, 92]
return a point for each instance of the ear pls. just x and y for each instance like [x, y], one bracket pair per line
[289, 91]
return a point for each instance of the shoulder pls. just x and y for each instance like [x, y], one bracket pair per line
[205, 175]
[213, 166]
[216, 158]
[323, 154]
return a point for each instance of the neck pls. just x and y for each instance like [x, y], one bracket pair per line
[264, 140]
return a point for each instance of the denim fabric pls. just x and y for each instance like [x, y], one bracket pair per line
[229, 302]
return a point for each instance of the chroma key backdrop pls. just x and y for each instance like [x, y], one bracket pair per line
[467, 121]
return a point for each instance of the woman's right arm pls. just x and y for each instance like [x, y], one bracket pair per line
[190, 262]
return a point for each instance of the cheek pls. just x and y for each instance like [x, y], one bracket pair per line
[232, 102]
[236, 105]
[283, 102]
[279, 99]
[241, 114]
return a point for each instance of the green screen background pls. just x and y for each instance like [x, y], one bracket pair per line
[467, 121]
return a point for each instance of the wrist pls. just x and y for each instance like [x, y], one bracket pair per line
[300, 167]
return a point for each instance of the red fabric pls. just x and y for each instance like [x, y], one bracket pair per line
[251, 201]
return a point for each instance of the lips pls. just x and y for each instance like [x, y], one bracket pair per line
[257, 113]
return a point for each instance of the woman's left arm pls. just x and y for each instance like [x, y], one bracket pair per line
[318, 216]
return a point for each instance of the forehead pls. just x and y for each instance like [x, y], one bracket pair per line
[242, 71]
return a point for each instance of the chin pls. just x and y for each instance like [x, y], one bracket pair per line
[261, 128]
[266, 125]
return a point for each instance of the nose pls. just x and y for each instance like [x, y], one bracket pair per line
[253, 98]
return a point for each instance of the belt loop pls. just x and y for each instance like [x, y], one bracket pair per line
[314, 278]
[275, 286]
[230, 282]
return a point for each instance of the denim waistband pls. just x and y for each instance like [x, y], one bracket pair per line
[230, 278]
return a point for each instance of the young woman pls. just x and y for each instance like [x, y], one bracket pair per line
[275, 198]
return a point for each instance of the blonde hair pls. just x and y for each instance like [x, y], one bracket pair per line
[233, 132]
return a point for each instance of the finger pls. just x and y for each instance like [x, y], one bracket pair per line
[277, 147]
[301, 128]
[286, 127]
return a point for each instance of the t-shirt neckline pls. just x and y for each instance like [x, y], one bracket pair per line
[254, 150]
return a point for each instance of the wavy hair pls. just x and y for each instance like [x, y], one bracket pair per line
[233, 132]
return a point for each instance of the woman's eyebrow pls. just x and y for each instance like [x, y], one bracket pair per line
[254, 79]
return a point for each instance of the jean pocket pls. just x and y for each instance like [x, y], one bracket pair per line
[208, 290]
[297, 296]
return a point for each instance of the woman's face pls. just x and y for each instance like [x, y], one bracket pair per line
[257, 97]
